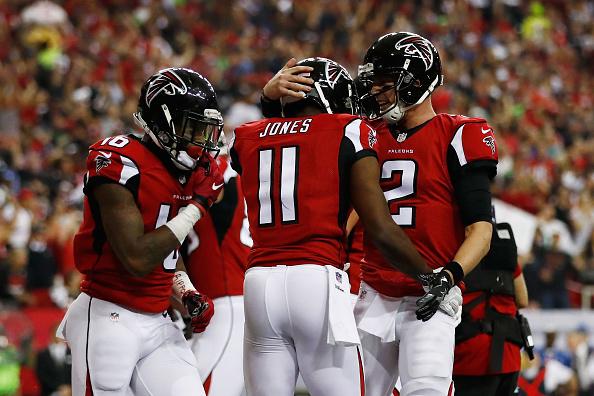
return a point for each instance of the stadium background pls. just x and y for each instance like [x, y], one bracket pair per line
[70, 72]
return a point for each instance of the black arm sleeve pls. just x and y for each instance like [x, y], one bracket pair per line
[270, 108]
[472, 189]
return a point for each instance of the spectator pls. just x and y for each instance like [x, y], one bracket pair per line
[582, 359]
[53, 368]
[9, 367]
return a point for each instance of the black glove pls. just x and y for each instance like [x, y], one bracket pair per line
[436, 286]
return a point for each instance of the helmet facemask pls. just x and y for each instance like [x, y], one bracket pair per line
[381, 93]
[187, 140]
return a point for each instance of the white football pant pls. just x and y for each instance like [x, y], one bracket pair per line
[116, 351]
[286, 330]
[396, 344]
[219, 350]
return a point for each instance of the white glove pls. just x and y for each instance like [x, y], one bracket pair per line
[452, 303]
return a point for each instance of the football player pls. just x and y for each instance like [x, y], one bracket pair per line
[142, 197]
[300, 174]
[435, 175]
[216, 253]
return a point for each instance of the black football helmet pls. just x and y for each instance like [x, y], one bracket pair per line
[178, 109]
[405, 62]
[333, 89]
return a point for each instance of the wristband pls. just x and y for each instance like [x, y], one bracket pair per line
[182, 224]
[181, 283]
[266, 98]
[456, 270]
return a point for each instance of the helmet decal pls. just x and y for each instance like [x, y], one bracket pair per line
[166, 81]
[334, 72]
[417, 47]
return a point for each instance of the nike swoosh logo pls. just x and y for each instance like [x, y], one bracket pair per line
[217, 186]
[483, 130]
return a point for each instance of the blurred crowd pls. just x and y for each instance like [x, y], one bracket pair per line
[70, 72]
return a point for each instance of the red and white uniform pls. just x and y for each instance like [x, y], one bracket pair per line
[295, 177]
[159, 195]
[216, 259]
[416, 177]
[120, 340]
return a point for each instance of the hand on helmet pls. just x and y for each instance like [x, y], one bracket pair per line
[208, 182]
[288, 82]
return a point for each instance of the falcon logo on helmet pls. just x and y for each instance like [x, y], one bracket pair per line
[417, 47]
[168, 82]
[334, 73]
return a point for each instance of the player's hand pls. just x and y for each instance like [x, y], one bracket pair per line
[200, 308]
[452, 302]
[437, 286]
[288, 82]
[208, 182]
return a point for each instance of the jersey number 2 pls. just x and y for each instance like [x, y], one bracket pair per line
[267, 192]
[404, 215]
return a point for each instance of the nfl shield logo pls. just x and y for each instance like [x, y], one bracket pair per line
[338, 277]
[114, 316]
[401, 137]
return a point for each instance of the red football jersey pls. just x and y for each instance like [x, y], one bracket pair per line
[218, 248]
[295, 180]
[416, 179]
[159, 194]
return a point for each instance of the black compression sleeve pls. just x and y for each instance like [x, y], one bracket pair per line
[270, 108]
[473, 195]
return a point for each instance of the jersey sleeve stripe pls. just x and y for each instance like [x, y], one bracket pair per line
[458, 147]
[353, 133]
[129, 170]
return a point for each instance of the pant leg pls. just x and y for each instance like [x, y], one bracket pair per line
[472, 385]
[380, 363]
[226, 373]
[426, 352]
[376, 314]
[508, 383]
[105, 344]
[169, 370]
[327, 370]
[270, 362]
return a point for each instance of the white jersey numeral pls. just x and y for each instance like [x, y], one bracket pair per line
[288, 186]
[116, 141]
[405, 215]
[170, 262]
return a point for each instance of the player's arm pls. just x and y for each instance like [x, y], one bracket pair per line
[372, 208]
[521, 291]
[139, 252]
[472, 164]
[199, 306]
[289, 81]
[351, 222]
[473, 195]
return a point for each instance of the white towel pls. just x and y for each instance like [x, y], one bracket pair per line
[342, 329]
[376, 314]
